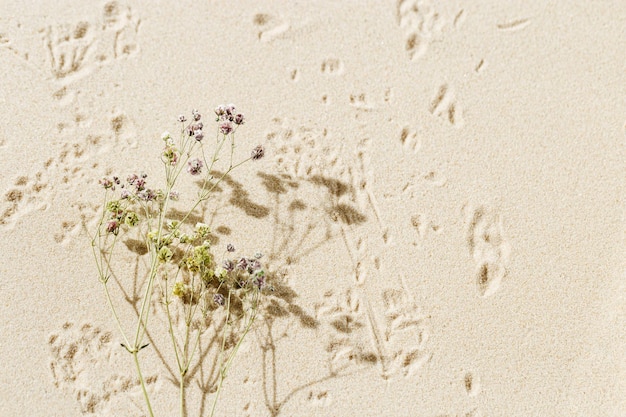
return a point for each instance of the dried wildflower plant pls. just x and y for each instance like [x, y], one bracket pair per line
[184, 272]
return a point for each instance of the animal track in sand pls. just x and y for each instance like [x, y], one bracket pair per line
[410, 140]
[420, 23]
[71, 50]
[269, 27]
[332, 66]
[444, 105]
[489, 248]
[73, 166]
[398, 347]
[423, 225]
[472, 384]
[82, 362]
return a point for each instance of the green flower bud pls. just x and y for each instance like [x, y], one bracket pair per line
[165, 254]
[131, 218]
[180, 289]
[203, 230]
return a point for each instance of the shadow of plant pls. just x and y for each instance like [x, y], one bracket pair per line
[298, 229]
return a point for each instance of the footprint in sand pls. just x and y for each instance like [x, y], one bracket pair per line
[420, 23]
[489, 248]
[83, 359]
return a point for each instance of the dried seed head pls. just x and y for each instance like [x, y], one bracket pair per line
[257, 153]
[195, 166]
[226, 128]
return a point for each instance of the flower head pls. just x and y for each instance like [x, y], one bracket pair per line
[219, 299]
[226, 128]
[106, 183]
[113, 227]
[257, 153]
[195, 166]
[228, 265]
[220, 110]
[239, 119]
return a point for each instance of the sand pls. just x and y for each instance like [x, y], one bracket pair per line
[441, 202]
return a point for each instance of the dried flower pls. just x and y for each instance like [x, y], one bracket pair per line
[198, 135]
[195, 166]
[182, 118]
[257, 153]
[219, 299]
[106, 183]
[226, 128]
[113, 227]
[220, 110]
[259, 279]
[174, 195]
[228, 265]
[230, 247]
[239, 119]
[196, 115]
[242, 264]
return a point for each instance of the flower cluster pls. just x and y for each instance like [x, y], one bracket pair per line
[184, 267]
[235, 276]
[227, 116]
[120, 211]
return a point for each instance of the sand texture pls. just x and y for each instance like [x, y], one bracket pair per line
[440, 205]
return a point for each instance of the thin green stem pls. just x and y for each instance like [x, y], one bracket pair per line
[143, 384]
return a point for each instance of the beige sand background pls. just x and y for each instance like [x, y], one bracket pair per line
[442, 196]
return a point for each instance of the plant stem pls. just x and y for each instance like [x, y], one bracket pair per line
[143, 384]
[182, 394]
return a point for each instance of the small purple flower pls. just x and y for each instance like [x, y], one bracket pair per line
[174, 195]
[257, 153]
[239, 119]
[228, 265]
[196, 115]
[259, 280]
[146, 195]
[113, 227]
[242, 264]
[140, 184]
[230, 109]
[195, 166]
[124, 194]
[230, 247]
[106, 183]
[253, 265]
[182, 118]
[219, 299]
[198, 135]
[226, 128]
